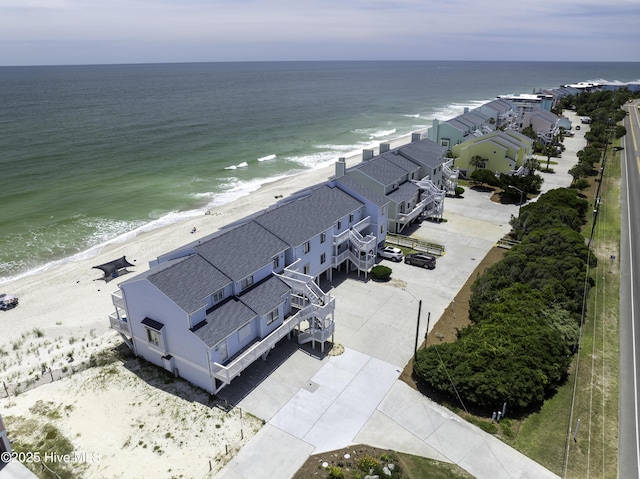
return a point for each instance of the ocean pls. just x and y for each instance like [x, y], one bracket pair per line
[95, 154]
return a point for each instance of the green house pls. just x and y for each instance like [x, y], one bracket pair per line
[502, 152]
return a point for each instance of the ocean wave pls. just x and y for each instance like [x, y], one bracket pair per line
[452, 110]
[244, 164]
[373, 133]
[267, 158]
[85, 236]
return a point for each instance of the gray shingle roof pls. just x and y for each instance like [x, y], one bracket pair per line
[223, 320]
[424, 152]
[187, 281]
[401, 161]
[350, 184]
[242, 250]
[303, 218]
[381, 170]
[230, 315]
[404, 192]
[498, 105]
[265, 296]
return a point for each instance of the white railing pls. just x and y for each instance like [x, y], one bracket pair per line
[337, 260]
[303, 284]
[345, 235]
[226, 373]
[319, 335]
[450, 178]
[118, 324]
[362, 263]
[117, 299]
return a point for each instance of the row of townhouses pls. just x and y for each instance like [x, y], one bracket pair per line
[208, 310]
[492, 131]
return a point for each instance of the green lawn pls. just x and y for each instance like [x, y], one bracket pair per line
[545, 436]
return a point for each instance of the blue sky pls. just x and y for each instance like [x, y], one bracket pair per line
[42, 32]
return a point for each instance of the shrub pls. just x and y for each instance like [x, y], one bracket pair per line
[459, 191]
[381, 272]
[336, 472]
[367, 463]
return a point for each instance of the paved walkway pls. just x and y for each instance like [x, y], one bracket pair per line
[314, 405]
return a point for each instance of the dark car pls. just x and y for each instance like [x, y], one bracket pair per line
[421, 259]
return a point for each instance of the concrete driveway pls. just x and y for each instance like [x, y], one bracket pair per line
[313, 405]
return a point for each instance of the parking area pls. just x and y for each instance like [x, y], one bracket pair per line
[313, 405]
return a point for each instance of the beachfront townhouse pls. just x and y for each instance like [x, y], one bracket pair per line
[326, 229]
[403, 183]
[458, 129]
[559, 93]
[545, 124]
[500, 114]
[502, 152]
[208, 310]
[526, 102]
[497, 114]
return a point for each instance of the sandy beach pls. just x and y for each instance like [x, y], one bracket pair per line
[62, 319]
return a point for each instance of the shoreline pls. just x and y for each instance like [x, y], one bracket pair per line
[63, 314]
[69, 302]
[190, 215]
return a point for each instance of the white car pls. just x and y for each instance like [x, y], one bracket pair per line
[389, 252]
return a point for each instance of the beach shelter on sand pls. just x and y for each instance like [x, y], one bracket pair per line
[112, 268]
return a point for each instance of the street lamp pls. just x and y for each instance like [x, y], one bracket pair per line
[521, 195]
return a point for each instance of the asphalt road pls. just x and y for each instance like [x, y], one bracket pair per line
[629, 459]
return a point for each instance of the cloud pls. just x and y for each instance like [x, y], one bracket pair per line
[92, 31]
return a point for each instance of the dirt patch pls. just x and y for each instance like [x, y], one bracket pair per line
[456, 316]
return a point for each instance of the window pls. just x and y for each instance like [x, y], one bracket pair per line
[381, 228]
[153, 337]
[323, 258]
[276, 262]
[351, 218]
[218, 296]
[323, 237]
[272, 316]
[244, 333]
[307, 247]
[305, 270]
[382, 210]
[154, 334]
[245, 283]
[339, 224]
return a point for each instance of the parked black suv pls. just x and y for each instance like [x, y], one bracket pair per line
[421, 259]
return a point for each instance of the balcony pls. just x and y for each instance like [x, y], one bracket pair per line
[359, 227]
[117, 299]
[225, 373]
[120, 324]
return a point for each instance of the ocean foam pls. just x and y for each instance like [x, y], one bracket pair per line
[267, 158]
[452, 110]
[244, 164]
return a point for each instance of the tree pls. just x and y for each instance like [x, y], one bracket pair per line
[580, 170]
[581, 184]
[477, 161]
[525, 311]
[532, 165]
[484, 176]
[549, 151]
